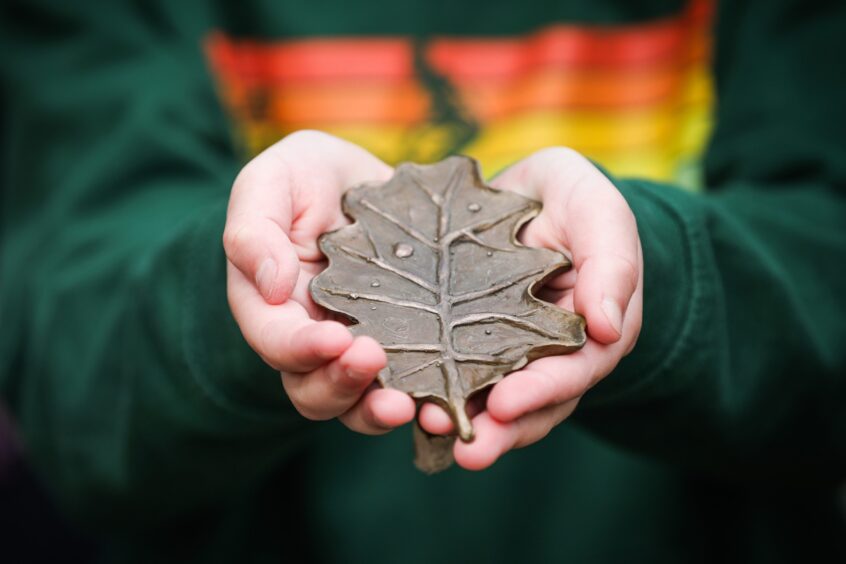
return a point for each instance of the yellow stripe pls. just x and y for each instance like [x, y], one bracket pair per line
[592, 133]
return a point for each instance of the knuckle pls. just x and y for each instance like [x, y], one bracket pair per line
[346, 385]
[352, 422]
[274, 342]
[303, 137]
[598, 368]
[572, 163]
[228, 238]
[268, 340]
[561, 153]
[535, 428]
[546, 428]
[233, 240]
[528, 433]
[363, 426]
[629, 272]
[249, 174]
[630, 346]
[558, 414]
[309, 412]
[623, 268]
[636, 325]
[273, 166]
[548, 388]
[304, 399]
[269, 361]
[370, 424]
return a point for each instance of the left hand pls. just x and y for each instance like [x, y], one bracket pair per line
[585, 217]
[280, 204]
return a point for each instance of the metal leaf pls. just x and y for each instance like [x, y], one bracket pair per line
[432, 270]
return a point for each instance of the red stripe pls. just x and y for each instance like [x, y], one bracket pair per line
[314, 59]
[566, 46]
[390, 58]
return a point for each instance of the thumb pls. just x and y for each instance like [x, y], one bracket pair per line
[605, 285]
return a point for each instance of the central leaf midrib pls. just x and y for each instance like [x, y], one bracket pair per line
[449, 369]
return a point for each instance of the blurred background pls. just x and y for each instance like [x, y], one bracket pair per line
[31, 528]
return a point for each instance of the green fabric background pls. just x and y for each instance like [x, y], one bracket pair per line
[722, 437]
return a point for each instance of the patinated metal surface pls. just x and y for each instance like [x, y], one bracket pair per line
[432, 270]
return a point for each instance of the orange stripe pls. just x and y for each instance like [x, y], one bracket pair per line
[559, 90]
[303, 105]
[406, 102]
[402, 103]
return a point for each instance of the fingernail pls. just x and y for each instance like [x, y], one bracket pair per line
[265, 276]
[613, 314]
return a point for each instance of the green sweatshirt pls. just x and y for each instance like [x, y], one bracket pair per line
[722, 437]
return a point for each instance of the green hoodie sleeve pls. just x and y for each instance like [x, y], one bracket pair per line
[118, 348]
[740, 369]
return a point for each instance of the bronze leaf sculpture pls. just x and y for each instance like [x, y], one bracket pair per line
[432, 270]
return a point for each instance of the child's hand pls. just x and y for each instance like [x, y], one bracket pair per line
[280, 203]
[290, 194]
[585, 217]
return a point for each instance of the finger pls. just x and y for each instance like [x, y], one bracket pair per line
[333, 389]
[284, 198]
[284, 335]
[495, 438]
[564, 281]
[379, 411]
[545, 382]
[585, 213]
[306, 346]
[434, 420]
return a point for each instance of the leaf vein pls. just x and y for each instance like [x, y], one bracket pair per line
[399, 225]
[380, 299]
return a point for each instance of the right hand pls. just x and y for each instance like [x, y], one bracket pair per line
[281, 202]
[585, 217]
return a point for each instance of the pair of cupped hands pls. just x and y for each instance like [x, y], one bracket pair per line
[290, 194]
